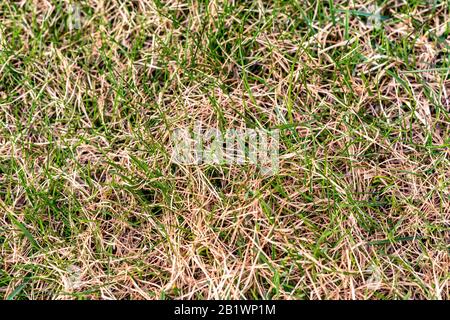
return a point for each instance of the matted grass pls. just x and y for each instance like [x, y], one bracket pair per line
[91, 207]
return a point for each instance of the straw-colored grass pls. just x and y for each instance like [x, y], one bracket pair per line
[91, 206]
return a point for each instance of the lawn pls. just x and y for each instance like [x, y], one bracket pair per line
[93, 205]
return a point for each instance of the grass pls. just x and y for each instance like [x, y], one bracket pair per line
[91, 206]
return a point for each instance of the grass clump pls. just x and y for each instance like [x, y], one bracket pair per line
[92, 207]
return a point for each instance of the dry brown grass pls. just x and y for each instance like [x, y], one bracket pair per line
[92, 207]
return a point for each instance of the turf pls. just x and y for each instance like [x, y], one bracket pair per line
[92, 207]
